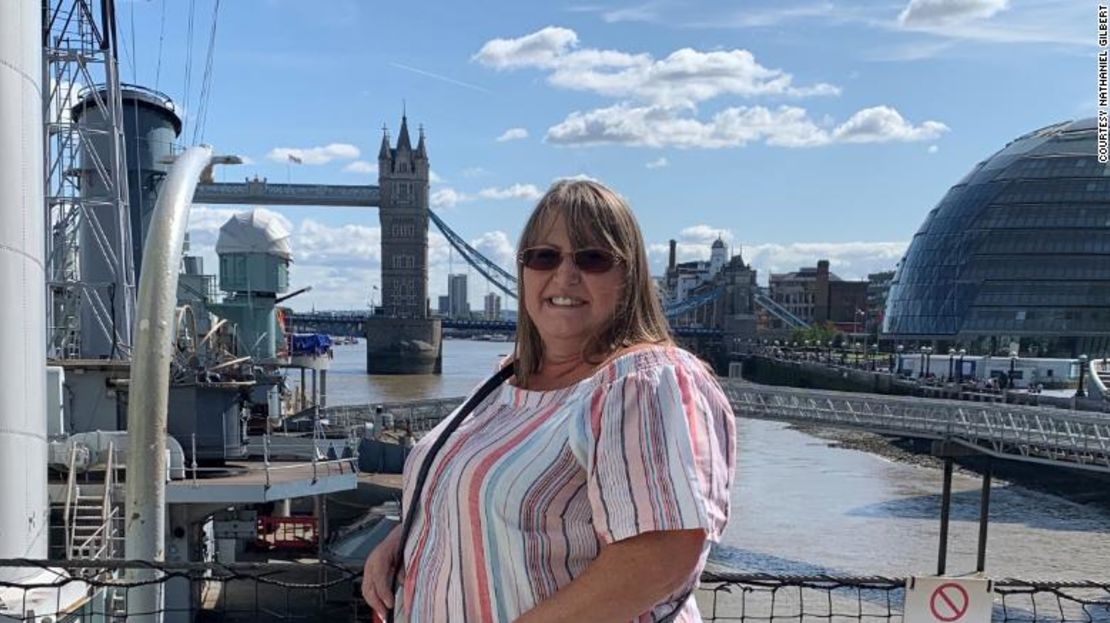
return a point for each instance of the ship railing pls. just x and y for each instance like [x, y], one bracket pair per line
[416, 416]
[108, 511]
[325, 466]
[71, 492]
[326, 590]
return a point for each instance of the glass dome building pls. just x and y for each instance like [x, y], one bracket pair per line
[1017, 252]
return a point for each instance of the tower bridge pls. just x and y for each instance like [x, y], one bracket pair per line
[404, 339]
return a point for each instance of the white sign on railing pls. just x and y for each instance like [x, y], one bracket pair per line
[949, 600]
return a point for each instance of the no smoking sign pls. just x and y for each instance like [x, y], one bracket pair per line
[949, 600]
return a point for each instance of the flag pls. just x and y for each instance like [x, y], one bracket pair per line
[295, 159]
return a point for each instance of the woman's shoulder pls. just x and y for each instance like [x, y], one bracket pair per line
[648, 360]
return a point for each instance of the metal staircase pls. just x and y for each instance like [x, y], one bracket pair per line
[91, 521]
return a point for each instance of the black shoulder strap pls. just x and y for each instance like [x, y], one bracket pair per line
[475, 399]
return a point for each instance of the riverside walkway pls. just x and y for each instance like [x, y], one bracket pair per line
[1024, 433]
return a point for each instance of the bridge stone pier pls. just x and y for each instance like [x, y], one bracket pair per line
[403, 338]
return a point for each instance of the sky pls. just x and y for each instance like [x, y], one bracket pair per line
[794, 130]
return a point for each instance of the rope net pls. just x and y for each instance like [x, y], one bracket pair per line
[71, 591]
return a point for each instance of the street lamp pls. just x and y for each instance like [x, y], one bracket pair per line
[1079, 393]
[951, 354]
[960, 374]
[899, 348]
[928, 350]
[1010, 379]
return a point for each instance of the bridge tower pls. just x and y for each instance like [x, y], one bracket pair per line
[401, 337]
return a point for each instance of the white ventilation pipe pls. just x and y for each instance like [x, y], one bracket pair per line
[23, 500]
[155, 323]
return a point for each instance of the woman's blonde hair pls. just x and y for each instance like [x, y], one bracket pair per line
[595, 217]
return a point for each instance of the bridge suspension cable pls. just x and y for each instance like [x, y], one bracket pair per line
[499, 277]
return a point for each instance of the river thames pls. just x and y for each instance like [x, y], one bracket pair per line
[800, 506]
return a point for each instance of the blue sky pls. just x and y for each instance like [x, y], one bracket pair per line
[796, 130]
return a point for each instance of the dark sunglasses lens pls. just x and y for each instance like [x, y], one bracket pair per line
[594, 260]
[542, 259]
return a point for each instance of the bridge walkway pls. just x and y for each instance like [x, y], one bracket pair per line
[1017, 432]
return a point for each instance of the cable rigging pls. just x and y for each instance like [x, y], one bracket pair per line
[206, 81]
[161, 40]
[185, 110]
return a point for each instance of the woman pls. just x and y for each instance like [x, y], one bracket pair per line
[589, 486]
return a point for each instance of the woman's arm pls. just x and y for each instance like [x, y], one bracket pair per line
[378, 571]
[627, 579]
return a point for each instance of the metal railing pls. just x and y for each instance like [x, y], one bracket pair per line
[417, 415]
[71, 492]
[313, 591]
[1033, 434]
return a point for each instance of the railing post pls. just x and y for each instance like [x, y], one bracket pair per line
[194, 462]
[945, 507]
[71, 485]
[266, 457]
[984, 516]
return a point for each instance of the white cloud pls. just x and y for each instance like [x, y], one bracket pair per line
[317, 243]
[246, 160]
[849, 260]
[882, 124]
[786, 126]
[704, 234]
[683, 78]
[516, 191]
[647, 12]
[1056, 22]
[541, 48]
[577, 177]
[447, 198]
[513, 134]
[474, 172]
[658, 163]
[315, 155]
[434, 177]
[361, 166]
[943, 12]
[496, 246]
[933, 149]
[752, 17]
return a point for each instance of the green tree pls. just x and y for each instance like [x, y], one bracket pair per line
[824, 333]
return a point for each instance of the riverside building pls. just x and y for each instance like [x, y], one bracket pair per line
[1016, 256]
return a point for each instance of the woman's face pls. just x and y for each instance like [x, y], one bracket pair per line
[567, 305]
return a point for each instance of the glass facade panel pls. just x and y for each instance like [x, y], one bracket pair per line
[1019, 249]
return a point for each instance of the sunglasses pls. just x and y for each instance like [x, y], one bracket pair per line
[593, 261]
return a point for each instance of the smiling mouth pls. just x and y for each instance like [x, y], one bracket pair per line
[565, 301]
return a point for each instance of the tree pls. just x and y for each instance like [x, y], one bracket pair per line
[825, 333]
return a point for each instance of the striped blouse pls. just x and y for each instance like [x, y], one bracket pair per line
[527, 490]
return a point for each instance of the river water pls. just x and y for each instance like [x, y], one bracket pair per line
[799, 506]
